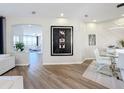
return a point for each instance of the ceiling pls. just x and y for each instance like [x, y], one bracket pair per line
[95, 11]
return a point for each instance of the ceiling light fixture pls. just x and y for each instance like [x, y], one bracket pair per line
[62, 14]
[94, 20]
[85, 15]
[122, 15]
[33, 12]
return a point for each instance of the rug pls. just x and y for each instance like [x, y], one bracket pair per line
[105, 80]
[11, 82]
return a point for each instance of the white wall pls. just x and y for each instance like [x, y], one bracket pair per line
[107, 33]
[45, 24]
[81, 49]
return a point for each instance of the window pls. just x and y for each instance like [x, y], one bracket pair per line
[15, 39]
[29, 40]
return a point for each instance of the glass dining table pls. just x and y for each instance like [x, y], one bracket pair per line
[113, 57]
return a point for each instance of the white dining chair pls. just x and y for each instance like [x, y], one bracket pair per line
[101, 62]
[120, 64]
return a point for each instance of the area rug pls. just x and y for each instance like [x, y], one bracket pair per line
[11, 82]
[105, 80]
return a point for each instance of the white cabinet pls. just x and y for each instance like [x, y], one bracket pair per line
[6, 63]
[21, 58]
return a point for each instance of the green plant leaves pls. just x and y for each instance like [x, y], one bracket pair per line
[19, 46]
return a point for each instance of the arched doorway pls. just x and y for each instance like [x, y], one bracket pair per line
[31, 36]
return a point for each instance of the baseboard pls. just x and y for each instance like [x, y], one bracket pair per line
[64, 63]
[89, 59]
[22, 64]
[61, 63]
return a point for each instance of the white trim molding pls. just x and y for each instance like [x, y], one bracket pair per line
[22, 64]
[89, 59]
[61, 63]
[64, 63]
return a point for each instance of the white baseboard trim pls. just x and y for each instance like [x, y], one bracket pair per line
[22, 64]
[61, 63]
[88, 59]
[65, 63]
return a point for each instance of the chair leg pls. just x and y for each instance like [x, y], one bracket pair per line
[102, 67]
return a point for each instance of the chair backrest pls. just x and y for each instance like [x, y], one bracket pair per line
[120, 62]
[96, 52]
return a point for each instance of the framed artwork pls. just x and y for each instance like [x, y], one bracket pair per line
[92, 39]
[61, 40]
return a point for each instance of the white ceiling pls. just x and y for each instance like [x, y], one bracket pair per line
[95, 11]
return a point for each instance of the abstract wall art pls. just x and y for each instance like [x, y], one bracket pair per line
[61, 40]
[92, 39]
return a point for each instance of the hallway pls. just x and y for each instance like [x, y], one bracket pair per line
[35, 58]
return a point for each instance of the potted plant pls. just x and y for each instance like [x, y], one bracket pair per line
[122, 43]
[19, 46]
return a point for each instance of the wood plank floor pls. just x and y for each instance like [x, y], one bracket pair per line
[37, 76]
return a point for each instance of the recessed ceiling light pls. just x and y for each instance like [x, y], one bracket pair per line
[94, 20]
[85, 15]
[122, 15]
[62, 14]
[33, 12]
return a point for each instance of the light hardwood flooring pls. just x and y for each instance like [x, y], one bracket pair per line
[37, 76]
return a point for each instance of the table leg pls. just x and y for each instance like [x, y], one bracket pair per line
[115, 72]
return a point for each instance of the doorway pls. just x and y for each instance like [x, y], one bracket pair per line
[31, 36]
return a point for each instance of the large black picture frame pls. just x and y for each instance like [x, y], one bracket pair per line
[61, 40]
